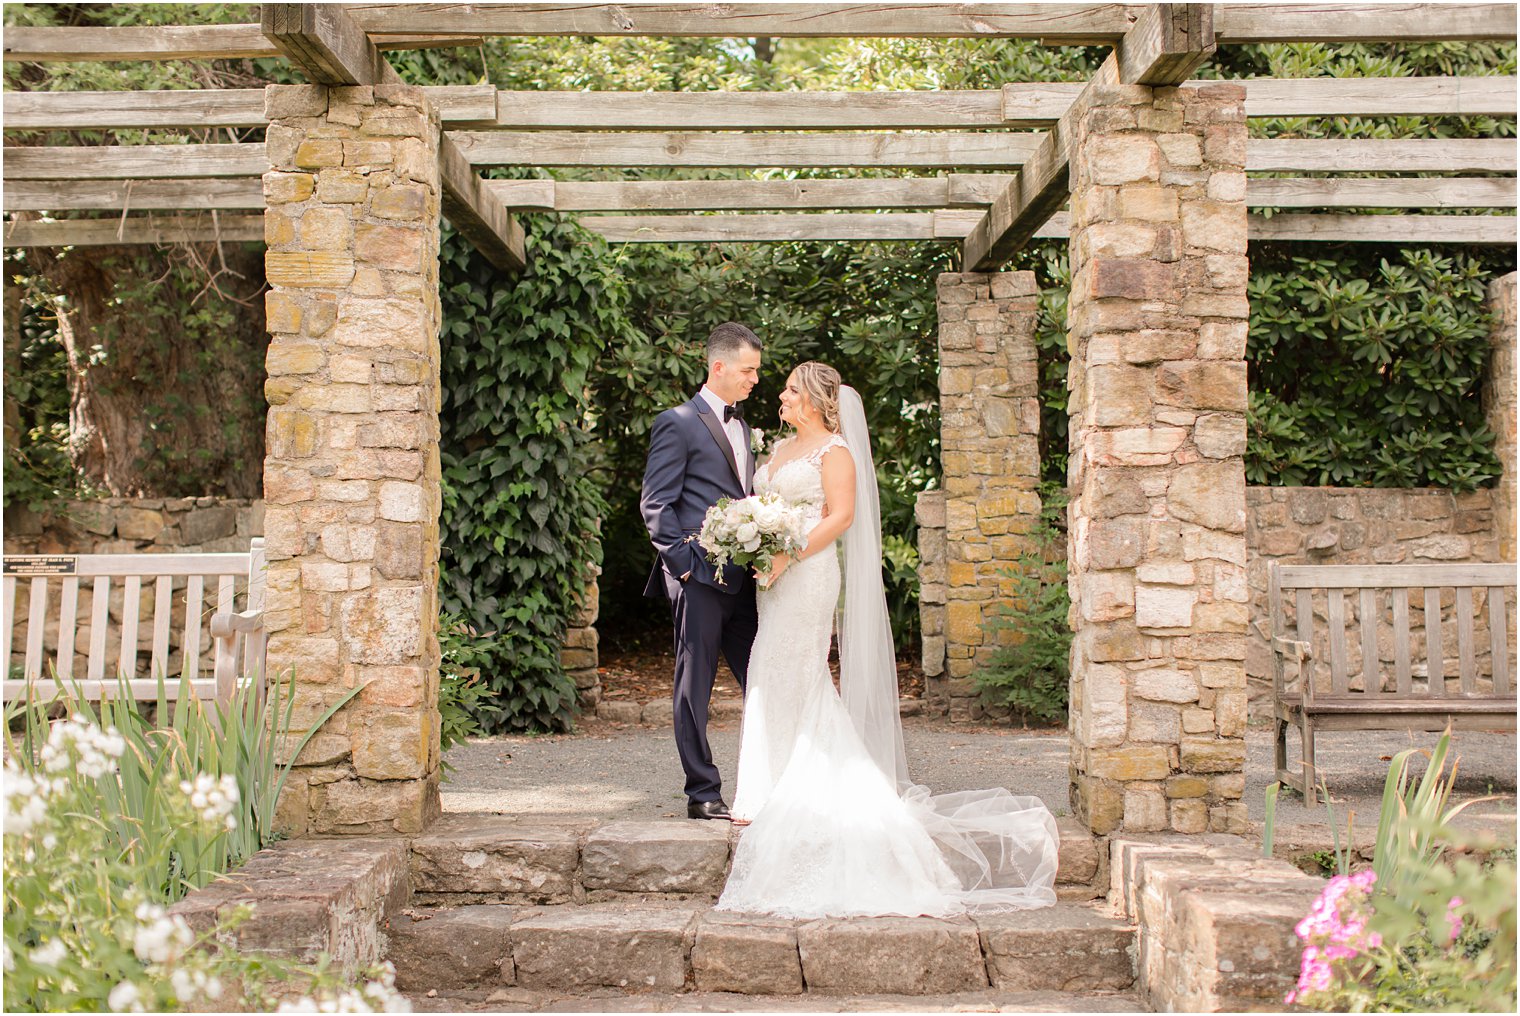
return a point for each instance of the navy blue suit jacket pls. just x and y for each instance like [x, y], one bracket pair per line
[690, 466]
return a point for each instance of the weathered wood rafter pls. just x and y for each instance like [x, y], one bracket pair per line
[332, 50]
[173, 42]
[121, 162]
[924, 151]
[1067, 24]
[458, 105]
[204, 228]
[1166, 43]
[1016, 105]
[954, 225]
[956, 190]
[1334, 22]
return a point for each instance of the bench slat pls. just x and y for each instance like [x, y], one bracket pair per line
[1335, 614]
[68, 617]
[142, 690]
[163, 608]
[9, 618]
[131, 593]
[1355, 703]
[100, 620]
[1467, 665]
[1372, 674]
[226, 595]
[1401, 667]
[1498, 642]
[1304, 606]
[195, 595]
[36, 618]
[1357, 576]
[1435, 657]
[120, 565]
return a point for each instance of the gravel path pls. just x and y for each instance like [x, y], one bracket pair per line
[615, 771]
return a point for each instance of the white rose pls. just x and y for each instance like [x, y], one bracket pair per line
[747, 534]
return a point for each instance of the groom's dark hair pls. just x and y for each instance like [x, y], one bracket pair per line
[727, 339]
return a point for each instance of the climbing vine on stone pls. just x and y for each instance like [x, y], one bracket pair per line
[520, 511]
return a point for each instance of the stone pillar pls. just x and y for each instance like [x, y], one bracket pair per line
[989, 389]
[351, 479]
[1499, 406]
[579, 655]
[1157, 551]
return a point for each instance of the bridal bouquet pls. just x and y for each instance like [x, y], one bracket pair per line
[751, 530]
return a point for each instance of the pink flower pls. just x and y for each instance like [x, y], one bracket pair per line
[1334, 930]
[1453, 920]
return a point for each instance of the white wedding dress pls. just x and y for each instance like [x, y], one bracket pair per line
[836, 828]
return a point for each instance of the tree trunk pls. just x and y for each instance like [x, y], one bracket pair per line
[165, 371]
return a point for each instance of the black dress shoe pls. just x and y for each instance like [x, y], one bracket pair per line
[708, 809]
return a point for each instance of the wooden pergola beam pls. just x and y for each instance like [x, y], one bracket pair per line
[123, 162]
[1249, 23]
[1033, 104]
[333, 50]
[206, 228]
[1166, 44]
[1058, 24]
[458, 105]
[1039, 154]
[1438, 155]
[940, 193]
[954, 225]
[133, 195]
[1164, 47]
[1067, 24]
[173, 42]
[923, 151]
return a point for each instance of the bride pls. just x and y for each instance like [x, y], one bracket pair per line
[834, 827]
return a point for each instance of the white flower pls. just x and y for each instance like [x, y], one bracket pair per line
[162, 941]
[125, 997]
[747, 534]
[7, 960]
[48, 955]
[756, 440]
[212, 799]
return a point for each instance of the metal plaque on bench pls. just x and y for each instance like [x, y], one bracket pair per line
[39, 564]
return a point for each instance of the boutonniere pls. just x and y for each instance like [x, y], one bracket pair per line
[756, 441]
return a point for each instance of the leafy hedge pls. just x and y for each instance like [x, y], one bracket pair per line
[520, 509]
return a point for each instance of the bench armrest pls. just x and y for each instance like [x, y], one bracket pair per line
[225, 629]
[1288, 656]
[1291, 648]
[227, 625]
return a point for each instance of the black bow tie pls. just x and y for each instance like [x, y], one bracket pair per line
[732, 412]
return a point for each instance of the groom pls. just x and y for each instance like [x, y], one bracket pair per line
[700, 452]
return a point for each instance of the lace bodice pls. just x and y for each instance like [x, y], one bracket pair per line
[799, 480]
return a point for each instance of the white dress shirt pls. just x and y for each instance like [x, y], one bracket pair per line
[735, 431]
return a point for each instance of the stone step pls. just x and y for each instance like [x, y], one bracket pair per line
[683, 946]
[479, 858]
[616, 1000]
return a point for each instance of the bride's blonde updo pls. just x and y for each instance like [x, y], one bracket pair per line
[821, 383]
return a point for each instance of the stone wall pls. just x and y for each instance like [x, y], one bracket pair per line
[979, 522]
[184, 525]
[1358, 525]
[1499, 406]
[352, 476]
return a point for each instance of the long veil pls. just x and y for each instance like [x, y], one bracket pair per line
[1002, 847]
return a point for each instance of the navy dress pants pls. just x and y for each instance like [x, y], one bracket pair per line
[707, 622]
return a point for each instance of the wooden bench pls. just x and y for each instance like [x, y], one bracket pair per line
[183, 586]
[1405, 696]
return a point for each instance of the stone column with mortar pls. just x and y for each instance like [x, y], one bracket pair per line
[989, 386]
[1157, 553]
[1499, 407]
[351, 477]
